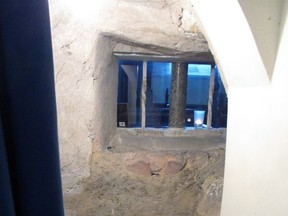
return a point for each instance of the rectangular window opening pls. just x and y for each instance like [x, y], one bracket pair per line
[156, 101]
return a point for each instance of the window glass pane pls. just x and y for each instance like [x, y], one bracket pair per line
[219, 109]
[159, 75]
[198, 80]
[129, 92]
[157, 96]
[198, 85]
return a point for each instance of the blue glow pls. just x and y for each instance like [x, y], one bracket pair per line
[199, 69]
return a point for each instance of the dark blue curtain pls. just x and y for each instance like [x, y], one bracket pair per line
[30, 182]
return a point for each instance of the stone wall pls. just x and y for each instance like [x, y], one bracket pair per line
[149, 183]
[84, 34]
[154, 172]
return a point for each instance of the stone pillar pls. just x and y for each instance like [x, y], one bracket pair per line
[210, 98]
[178, 95]
[143, 95]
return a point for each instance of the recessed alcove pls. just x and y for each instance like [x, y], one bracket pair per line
[163, 138]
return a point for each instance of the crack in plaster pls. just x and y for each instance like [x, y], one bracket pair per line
[59, 70]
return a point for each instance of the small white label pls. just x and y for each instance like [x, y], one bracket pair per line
[121, 124]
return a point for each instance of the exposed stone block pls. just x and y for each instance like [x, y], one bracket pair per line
[174, 165]
[140, 167]
[210, 203]
[121, 184]
[137, 163]
[197, 160]
[157, 163]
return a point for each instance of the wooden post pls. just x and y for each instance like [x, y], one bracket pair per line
[178, 95]
[210, 99]
[143, 95]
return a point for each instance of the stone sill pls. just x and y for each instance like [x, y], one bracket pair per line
[159, 139]
[188, 131]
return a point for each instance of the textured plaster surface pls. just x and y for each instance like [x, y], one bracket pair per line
[85, 33]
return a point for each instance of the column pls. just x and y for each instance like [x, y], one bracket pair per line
[210, 99]
[178, 95]
[143, 95]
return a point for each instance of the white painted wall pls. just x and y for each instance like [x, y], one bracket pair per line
[265, 26]
[256, 167]
[230, 39]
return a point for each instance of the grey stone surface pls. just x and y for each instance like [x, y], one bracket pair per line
[178, 95]
[114, 190]
[158, 140]
[197, 161]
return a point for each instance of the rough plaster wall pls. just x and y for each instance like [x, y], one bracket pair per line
[74, 54]
[105, 82]
[86, 97]
[85, 69]
[163, 23]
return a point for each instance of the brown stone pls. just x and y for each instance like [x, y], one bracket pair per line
[139, 167]
[174, 165]
[210, 203]
[197, 160]
[157, 163]
[137, 163]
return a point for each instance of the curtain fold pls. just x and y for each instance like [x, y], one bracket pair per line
[30, 180]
